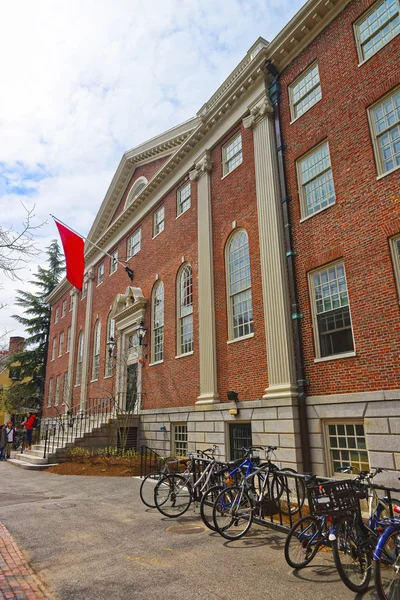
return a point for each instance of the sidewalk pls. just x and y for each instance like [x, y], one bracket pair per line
[16, 578]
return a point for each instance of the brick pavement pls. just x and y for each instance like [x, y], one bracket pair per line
[17, 580]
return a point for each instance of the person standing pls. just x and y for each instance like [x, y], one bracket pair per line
[29, 425]
[10, 432]
[3, 442]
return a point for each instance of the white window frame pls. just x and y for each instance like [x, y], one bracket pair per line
[50, 393]
[57, 315]
[183, 205]
[110, 337]
[65, 388]
[79, 358]
[293, 112]
[301, 184]
[135, 190]
[314, 314]
[231, 296]
[376, 135]
[342, 448]
[395, 252]
[357, 34]
[57, 392]
[114, 262]
[96, 350]
[64, 309]
[84, 288]
[157, 329]
[134, 243]
[100, 274]
[68, 339]
[184, 297]
[71, 302]
[226, 170]
[53, 348]
[61, 344]
[180, 439]
[159, 223]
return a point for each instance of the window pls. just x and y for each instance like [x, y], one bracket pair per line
[64, 309]
[65, 388]
[330, 305]
[385, 124]
[159, 221]
[305, 91]
[395, 250]
[347, 446]
[84, 288]
[377, 27]
[57, 394]
[110, 338]
[68, 339]
[134, 243]
[239, 438]
[114, 262]
[316, 187]
[53, 349]
[180, 439]
[71, 302]
[100, 274]
[240, 307]
[50, 393]
[96, 351]
[57, 316]
[183, 199]
[158, 323]
[185, 310]
[135, 190]
[61, 344]
[232, 155]
[79, 358]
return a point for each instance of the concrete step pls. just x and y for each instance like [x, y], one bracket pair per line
[27, 465]
[31, 458]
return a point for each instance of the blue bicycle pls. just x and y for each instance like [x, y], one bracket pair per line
[387, 559]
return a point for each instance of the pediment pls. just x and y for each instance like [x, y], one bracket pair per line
[128, 303]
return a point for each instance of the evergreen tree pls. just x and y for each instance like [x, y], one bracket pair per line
[29, 391]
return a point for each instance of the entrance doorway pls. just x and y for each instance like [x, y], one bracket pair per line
[131, 387]
[239, 437]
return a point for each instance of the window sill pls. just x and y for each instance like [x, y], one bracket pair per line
[93, 380]
[186, 354]
[77, 385]
[388, 173]
[304, 113]
[113, 272]
[239, 339]
[335, 357]
[233, 170]
[107, 377]
[182, 213]
[159, 362]
[317, 212]
[365, 60]
[157, 234]
[100, 283]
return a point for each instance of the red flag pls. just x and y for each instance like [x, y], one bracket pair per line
[73, 246]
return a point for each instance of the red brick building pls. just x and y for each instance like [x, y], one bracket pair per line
[197, 215]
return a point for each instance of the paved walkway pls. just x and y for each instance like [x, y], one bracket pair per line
[16, 578]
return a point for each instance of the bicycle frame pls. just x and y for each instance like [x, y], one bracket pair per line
[395, 526]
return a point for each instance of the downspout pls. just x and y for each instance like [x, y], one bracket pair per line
[274, 93]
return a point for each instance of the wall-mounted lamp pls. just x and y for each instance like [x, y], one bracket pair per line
[141, 332]
[110, 346]
[233, 396]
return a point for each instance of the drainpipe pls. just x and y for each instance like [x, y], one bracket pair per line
[274, 93]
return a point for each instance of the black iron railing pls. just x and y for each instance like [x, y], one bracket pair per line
[149, 460]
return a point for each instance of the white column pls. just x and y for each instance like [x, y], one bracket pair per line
[87, 332]
[278, 326]
[71, 358]
[207, 343]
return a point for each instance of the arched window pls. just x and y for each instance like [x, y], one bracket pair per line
[110, 338]
[79, 358]
[158, 323]
[240, 306]
[135, 190]
[185, 310]
[96, 350]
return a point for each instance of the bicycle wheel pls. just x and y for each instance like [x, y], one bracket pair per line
[233, 513]
[288, 492]
[207, 504]
[303, 541]
[351, 554]
[387, 569]
[147, 488]
[173, 495]
[387, 511]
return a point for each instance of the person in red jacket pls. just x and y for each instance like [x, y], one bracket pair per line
[29, 424]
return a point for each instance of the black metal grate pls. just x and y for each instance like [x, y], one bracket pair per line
[131, 438]
[239, 437]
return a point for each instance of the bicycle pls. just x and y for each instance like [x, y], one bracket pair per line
[387, 559]
[148, 484]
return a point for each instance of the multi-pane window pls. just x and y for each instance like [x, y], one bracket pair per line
[159, 216]
[79, 359]
[65, 388]
[64, 309]
[180, 439]
[332, 321]
[305, 91]
[347, 446]
[68, 339]
[183, 198]
[100, 274]
[110, 338]
[50, 393]
[395, 249]
[385, 122]
[232, 155]
[57, 315]
[61, 344]
[134, 243]
[239, 286]
[57, 394]
[53, 349]
[71, 302]
[114, 262]
[135, 190]
[315, 181]
[158, 323]
[377, 27]
[96, 350]
[185, 305]
[84, 288]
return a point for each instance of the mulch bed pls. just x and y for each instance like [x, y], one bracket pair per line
[97, 469]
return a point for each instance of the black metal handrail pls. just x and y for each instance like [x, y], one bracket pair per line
[149, 460]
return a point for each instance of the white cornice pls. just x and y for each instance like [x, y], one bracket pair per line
[59, 291]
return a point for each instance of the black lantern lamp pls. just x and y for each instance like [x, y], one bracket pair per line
[141, 332]
[233, 396]
[110, 346]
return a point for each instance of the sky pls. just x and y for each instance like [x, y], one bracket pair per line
[86, 80]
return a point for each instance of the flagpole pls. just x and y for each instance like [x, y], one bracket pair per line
[127, 269]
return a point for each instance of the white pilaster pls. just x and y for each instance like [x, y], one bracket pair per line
[87, 332]
[207, 343]
[278, 327]
[71, 358]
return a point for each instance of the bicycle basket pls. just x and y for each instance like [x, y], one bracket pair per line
[333, 498]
